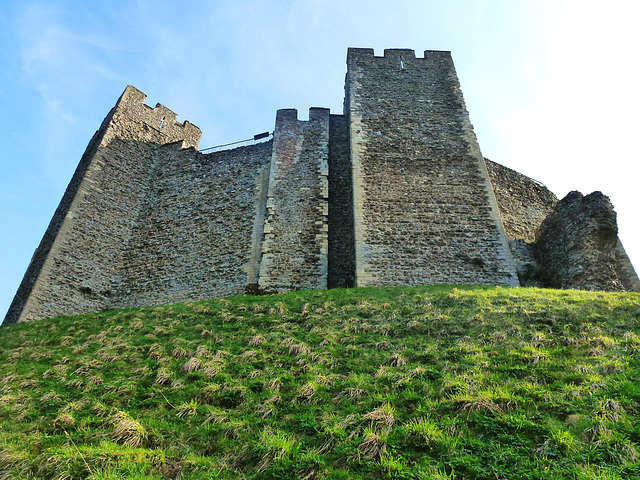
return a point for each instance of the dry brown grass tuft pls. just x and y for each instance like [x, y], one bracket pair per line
[298, 349]
[248, 355]
[480, 404]
[192, 365]
[274, 384]
[64, 420]
[397, 360]
[187, 409]
[203, 351]
[136, 324]
[211, 369]
[179, 353]
[155, 352]
[51, 397]
[101, 410]
[107, 355]
[215, 416]
[127, 431]
[307, 392]
[163, 377]
[256, 340]
[372, 446]
[382, 418]
[353, 393]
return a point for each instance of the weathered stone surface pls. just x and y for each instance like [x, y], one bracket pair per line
[576, 244]
[191, 238]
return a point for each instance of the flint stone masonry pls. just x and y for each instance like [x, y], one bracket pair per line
[193, 226]
[73, 269]
[393, 191]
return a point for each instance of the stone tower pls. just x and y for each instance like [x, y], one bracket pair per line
[424, 209]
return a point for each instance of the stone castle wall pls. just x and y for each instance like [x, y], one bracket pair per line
[394, 191]
[523, 202]
[424, 208]
[194, 225]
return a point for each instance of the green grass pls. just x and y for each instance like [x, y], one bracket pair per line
[434, 382]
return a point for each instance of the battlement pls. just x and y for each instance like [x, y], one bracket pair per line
[160, 118]
[395, 53]
[285, 115]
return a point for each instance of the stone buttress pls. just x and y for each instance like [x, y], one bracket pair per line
[295, 244]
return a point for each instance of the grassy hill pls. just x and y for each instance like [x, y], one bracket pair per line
[426, 382]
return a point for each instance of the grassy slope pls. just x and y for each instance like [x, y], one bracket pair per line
[424, 382]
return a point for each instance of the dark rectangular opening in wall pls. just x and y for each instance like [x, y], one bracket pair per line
[341, 259]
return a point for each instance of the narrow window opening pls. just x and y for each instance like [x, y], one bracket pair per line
[401, 64]
[162, 123]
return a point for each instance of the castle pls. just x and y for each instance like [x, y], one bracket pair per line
[393, 191]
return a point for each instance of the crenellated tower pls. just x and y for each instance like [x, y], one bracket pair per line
[295, 241]
[81, 256]
[424, 209]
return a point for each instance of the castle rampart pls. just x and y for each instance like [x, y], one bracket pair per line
[195, 224]
[523, 202]
[393, 191]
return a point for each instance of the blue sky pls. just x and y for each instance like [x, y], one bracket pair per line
[551, 86]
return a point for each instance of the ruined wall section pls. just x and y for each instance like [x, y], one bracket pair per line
[424, 208]
[576, 245]
[523, 202]
[192, 237]
[625, 271]
[76, 267]
[341, 272]
[294, 251]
